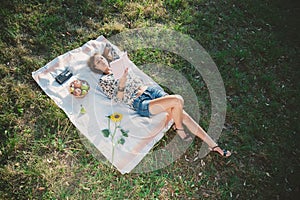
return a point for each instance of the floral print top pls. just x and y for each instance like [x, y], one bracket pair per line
[109, 86]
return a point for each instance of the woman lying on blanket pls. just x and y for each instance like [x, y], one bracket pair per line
[148, 100]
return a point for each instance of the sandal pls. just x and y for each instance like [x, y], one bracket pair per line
[225, 152]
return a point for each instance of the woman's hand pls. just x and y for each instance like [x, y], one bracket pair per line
[123, 79]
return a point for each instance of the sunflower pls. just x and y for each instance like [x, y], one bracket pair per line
[116, 117]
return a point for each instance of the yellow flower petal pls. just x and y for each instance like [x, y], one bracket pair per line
[116, 117]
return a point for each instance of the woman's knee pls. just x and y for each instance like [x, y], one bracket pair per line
[179, 99]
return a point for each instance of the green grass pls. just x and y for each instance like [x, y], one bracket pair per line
[255, 45]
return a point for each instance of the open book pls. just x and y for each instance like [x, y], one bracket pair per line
[118, 66]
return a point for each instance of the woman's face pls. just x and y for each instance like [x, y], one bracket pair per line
[101, 64]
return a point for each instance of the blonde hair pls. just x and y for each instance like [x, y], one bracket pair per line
[91, 63]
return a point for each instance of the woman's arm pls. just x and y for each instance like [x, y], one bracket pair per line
[107, 53]
[122, 85]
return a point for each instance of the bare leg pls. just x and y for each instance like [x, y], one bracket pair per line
[173, 104]
[197, 130]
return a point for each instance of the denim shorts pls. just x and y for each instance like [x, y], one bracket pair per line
[141, 103]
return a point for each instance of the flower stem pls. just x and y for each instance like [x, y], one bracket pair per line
[113, 143]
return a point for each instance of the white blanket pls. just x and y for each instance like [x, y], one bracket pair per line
[143, 133]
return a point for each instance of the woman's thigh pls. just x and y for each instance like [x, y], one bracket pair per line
[165, 103]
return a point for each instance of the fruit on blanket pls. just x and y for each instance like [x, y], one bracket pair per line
[77, 83]
[84, 86]
[79, 88]
[77, 92]
[72, 90]
[83, 92]
[82, 110]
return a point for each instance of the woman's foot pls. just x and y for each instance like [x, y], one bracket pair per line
[223, 153]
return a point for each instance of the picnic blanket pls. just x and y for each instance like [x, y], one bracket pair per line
[122, 136]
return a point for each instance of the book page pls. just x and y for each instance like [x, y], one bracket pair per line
[118, 66]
